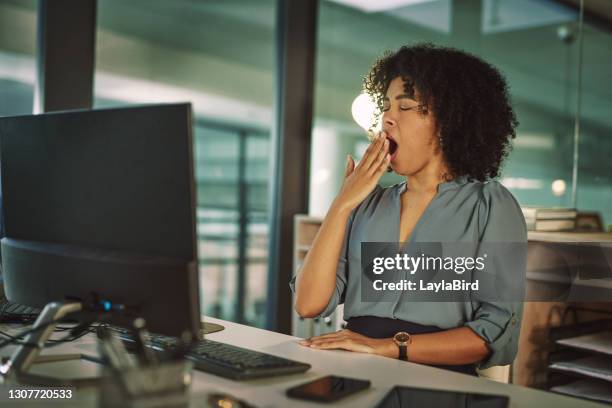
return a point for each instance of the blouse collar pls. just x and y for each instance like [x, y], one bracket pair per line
[445, 185]
[456, 182]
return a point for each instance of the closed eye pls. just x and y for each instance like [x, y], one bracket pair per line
[402, 108]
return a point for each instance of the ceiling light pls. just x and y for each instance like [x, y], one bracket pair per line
[373, 6]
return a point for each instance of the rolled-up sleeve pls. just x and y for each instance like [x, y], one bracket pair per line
[499, 323]
[338, 294]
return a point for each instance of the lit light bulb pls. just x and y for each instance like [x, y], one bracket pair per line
[363, 109]
[558, 187]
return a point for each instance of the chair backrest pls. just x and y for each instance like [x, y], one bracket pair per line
[496, 373]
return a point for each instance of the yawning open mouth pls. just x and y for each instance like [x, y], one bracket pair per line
[392, 147]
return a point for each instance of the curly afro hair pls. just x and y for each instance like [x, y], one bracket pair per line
[468, 97]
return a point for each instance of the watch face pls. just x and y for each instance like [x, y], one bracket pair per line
[402, 337]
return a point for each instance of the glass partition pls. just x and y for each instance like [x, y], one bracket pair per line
[17, 50]
[594, 192]
[533, 43]
[219, 57]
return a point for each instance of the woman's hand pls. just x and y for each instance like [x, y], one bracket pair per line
[351, 341]
[360, 181]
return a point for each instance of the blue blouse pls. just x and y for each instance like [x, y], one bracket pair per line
[463, 211]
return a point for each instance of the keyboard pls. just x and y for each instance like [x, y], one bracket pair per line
[225, 360]
[16, 313]
[238, 363]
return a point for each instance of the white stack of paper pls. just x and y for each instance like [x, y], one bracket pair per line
[591, 366]
[550, 218]
[590, 389]
[598, 342]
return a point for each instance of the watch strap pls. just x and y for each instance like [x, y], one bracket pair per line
[403, 352]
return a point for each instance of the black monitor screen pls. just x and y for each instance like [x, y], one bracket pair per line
[109, 178]
[100, 204]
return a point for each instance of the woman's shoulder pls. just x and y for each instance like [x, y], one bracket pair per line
[498, 207]
[486, 193]
[494, 193]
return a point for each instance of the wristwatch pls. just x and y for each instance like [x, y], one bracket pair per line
[402, 339]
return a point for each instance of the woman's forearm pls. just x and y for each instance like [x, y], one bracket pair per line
[316, 279]
[449, 347]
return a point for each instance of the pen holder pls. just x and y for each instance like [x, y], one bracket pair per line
[151, 386]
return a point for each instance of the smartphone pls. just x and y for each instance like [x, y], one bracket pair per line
[328, 389]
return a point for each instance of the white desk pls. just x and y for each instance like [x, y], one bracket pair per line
[382, 372]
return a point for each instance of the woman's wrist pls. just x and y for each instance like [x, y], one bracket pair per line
[340, 207]
[387, 348]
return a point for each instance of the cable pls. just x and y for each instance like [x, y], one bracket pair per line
[101, 309]
[62, 328]
[10, 336]
[29, 331]
[6, 334]
[75, 333]
[16, 340]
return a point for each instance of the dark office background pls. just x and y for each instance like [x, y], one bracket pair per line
[220, 55]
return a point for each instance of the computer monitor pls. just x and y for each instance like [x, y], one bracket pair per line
[99, 208]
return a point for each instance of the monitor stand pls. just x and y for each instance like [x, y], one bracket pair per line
[207, 328]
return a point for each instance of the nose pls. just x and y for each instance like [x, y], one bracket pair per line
[388, 121]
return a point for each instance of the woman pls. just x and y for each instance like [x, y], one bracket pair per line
[447, 125]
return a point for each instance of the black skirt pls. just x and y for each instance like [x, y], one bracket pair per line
[382, 327]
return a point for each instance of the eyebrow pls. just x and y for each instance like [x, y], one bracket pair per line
[398, 97]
